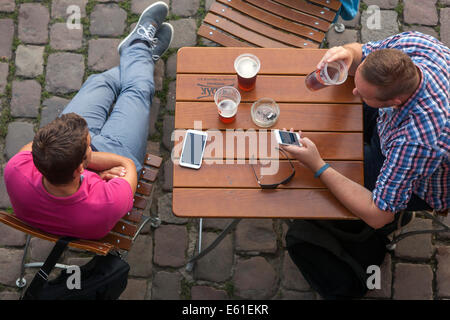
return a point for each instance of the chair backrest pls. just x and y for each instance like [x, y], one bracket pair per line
[124, 232]
[269, 24]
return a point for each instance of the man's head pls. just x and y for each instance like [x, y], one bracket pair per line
[387, 77]
[62, 148]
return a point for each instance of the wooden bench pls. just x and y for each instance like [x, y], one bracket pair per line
[123, 234]
[269, 24]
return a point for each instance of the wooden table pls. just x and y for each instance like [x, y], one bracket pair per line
[331, 118]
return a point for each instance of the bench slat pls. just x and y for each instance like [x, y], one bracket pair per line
[221, 38]
[261, 28]
[274, 20]
[152, 160]
[238, 31]
[288, 13]
[303, 6]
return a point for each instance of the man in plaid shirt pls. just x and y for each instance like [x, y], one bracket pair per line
[404, 84]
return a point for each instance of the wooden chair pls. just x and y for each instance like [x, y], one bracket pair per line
[120, 238]
[269, 24]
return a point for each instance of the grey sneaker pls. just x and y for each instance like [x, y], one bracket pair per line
[149, 22]
[164, 37]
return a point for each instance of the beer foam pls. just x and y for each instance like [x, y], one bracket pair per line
[247, 67]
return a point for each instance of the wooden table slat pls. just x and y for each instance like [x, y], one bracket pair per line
[224, 175]
[252, 203]
[261, 145]
[280, 88]
[305, 117]
[287, 61]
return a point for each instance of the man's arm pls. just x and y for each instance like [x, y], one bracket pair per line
[351, 54]
[352, 195]
[104, 160]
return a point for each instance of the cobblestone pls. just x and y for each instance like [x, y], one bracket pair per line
[29, 61]
[64, 72]
[19, 134]
[170, 246]
[421, 12]
[62, 38]
[7, 5]
[26, 98]
[166, 286]
[102, 54]
[4, 69]
[443, 272]
[7, 32]
[254, 278]
[52, 107]
[216, 265]
[413, 282]
[60, 8]
[108, 20]
[33, 23]
[388, 26]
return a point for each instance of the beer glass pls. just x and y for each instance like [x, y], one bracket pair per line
[247, 67]
[333, 73]
[227, 100]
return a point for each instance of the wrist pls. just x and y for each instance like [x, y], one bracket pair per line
[317, 165]
[321, 170]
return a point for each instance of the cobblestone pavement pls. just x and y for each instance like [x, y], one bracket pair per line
[43, 64]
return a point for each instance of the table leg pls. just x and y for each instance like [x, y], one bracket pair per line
[191, 262]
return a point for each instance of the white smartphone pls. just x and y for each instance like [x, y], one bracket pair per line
[193, 147]
[287, 137]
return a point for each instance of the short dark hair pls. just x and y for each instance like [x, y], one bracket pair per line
[391, 70]
[60, 147]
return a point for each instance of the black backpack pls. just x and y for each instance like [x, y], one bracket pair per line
[102, 278]
[333, 256]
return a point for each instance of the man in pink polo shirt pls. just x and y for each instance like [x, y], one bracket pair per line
[78, 176]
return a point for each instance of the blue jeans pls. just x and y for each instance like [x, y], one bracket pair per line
[122, 129]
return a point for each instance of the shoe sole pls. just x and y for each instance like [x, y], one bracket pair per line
[171, 36]
[137, 24]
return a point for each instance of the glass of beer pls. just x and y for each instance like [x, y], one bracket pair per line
[333, 73]
[227, 100]
[247, 67]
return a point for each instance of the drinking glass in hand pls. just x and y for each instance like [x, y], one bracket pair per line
[227, 100]
[333, 73]
[247, 67]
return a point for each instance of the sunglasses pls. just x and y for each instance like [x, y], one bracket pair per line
[275, 185]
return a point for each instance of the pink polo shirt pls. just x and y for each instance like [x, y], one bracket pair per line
[90, 213]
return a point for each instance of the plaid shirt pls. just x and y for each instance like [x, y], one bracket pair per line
[415, 139]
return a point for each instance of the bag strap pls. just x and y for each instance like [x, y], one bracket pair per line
[41, 277]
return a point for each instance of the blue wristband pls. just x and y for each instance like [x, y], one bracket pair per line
[321, 170]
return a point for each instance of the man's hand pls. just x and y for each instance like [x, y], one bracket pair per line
[306, 154]
[335, 54]
[115, 172]
[351, 54]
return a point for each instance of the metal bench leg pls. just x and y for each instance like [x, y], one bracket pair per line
[21, 282]
[396, 239]
[191, 262]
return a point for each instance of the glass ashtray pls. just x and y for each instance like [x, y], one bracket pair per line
[265, 112]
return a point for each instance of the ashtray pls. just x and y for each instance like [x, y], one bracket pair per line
[265, 112]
